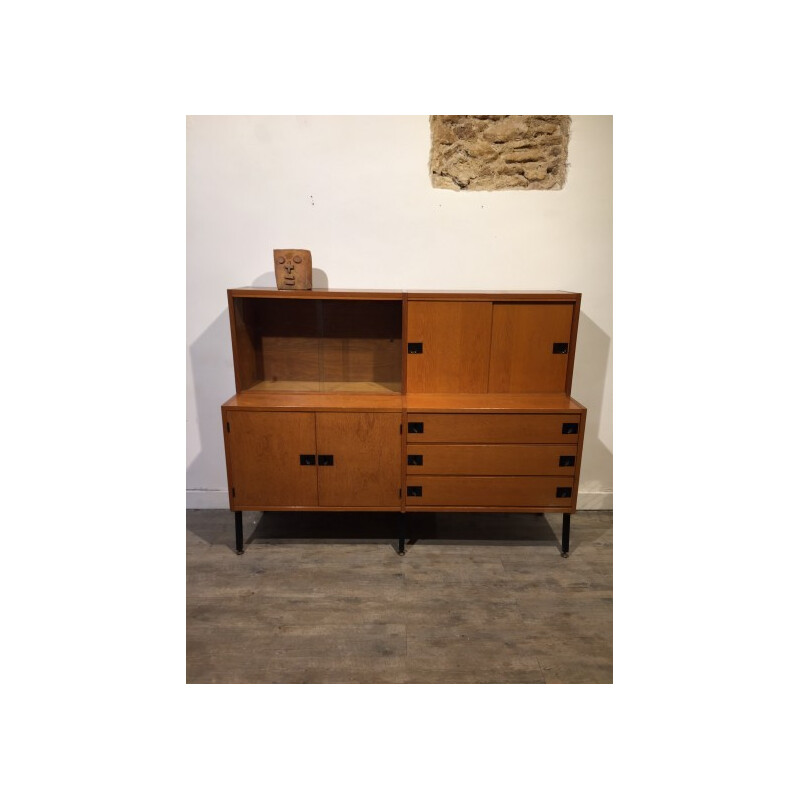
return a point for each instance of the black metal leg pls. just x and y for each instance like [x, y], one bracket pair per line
[239, 533]
[401, 546]
[565, 536]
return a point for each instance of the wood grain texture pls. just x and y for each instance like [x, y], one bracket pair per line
[582, 433]
[478, 510]
[328, 387]
[493, 428]
[573, 344]
[264, 451]
[485, 491]
[403, 347]
[361, 319]
[362, 361]
[455, 337]
[522, 358]
[496, 403]
[491, 459]
[246, 358]
[290, 359]
[362, 341]
[228, 455]
[403, 460]
[293, 400]
[476, 295]
[317, 508]
[366, 468]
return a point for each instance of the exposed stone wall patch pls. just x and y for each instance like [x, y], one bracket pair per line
[487, 153]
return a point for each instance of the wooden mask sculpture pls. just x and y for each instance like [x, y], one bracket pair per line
[292, 269]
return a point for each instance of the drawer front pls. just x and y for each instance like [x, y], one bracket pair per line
[494, 428]
[491, 459]
[441, 490]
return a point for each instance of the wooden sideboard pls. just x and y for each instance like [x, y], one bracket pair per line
[403, 401]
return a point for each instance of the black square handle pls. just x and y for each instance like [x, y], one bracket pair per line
[414, 348]
[326, 461]
[414, 491]
[569, 427]
[564, 491]
[415, 461]
[559, 348]
[416, 427]
[566, 461]
[307, 459]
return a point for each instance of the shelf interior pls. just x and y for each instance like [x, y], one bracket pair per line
[287, 345]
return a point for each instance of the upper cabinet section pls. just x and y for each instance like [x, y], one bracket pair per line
[492, 345]
[335, 341]
[316, 341]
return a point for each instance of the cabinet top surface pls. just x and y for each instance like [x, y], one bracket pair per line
[398, 294]
[451, 403]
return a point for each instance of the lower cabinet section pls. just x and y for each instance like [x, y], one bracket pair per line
[489, 492]
[313, 459]
[322, 459]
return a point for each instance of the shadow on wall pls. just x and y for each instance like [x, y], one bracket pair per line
[212, 367]
[589, 379]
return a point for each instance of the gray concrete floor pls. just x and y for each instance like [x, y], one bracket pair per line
[325, 598]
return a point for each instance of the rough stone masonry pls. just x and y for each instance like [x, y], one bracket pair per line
[486, 153]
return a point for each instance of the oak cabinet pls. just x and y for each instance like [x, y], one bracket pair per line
[403, 401]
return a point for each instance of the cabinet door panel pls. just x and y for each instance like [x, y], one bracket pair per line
[522, 357]
[264, 448]
[455, 338]
[366, 459]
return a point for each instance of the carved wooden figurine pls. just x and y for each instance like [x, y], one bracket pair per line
[293, 269]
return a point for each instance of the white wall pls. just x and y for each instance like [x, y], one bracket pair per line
[355, 191]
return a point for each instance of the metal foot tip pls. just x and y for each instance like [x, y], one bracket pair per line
[565, 555]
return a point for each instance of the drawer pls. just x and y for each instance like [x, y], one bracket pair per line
[445, 490]
[494, 428]
[491, 459]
